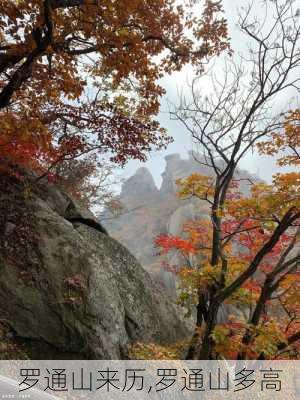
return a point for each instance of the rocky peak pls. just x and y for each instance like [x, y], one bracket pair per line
[177, 167]
[139, 188]
[174, 164]
[156, 211]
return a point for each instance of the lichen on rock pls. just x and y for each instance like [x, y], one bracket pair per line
[68, 285]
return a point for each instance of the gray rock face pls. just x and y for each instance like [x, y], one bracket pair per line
[66, 284]
[139, 188]
[177, 167]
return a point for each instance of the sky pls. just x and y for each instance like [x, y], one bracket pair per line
[264, 167]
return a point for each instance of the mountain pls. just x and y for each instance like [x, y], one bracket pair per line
[150, 211]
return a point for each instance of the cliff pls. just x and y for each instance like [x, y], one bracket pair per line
[67, 289]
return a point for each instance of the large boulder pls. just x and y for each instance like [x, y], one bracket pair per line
[65, 284]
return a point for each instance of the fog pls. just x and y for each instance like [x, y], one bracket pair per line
[262, 166]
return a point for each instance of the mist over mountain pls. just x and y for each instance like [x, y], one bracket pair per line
[150, 211]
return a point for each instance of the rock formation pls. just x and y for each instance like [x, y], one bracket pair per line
[152, 211]
[66, 287]
[139, 188]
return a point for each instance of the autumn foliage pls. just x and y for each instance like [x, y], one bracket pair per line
[248, 249]
[78, 76]
[288, 144]
[81, 77]
[257, 274]
[248, 225]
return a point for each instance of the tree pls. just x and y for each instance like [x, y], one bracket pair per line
[258, 271]
[81, 75]
[287, 143]
[226, 124]
[88, 181]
